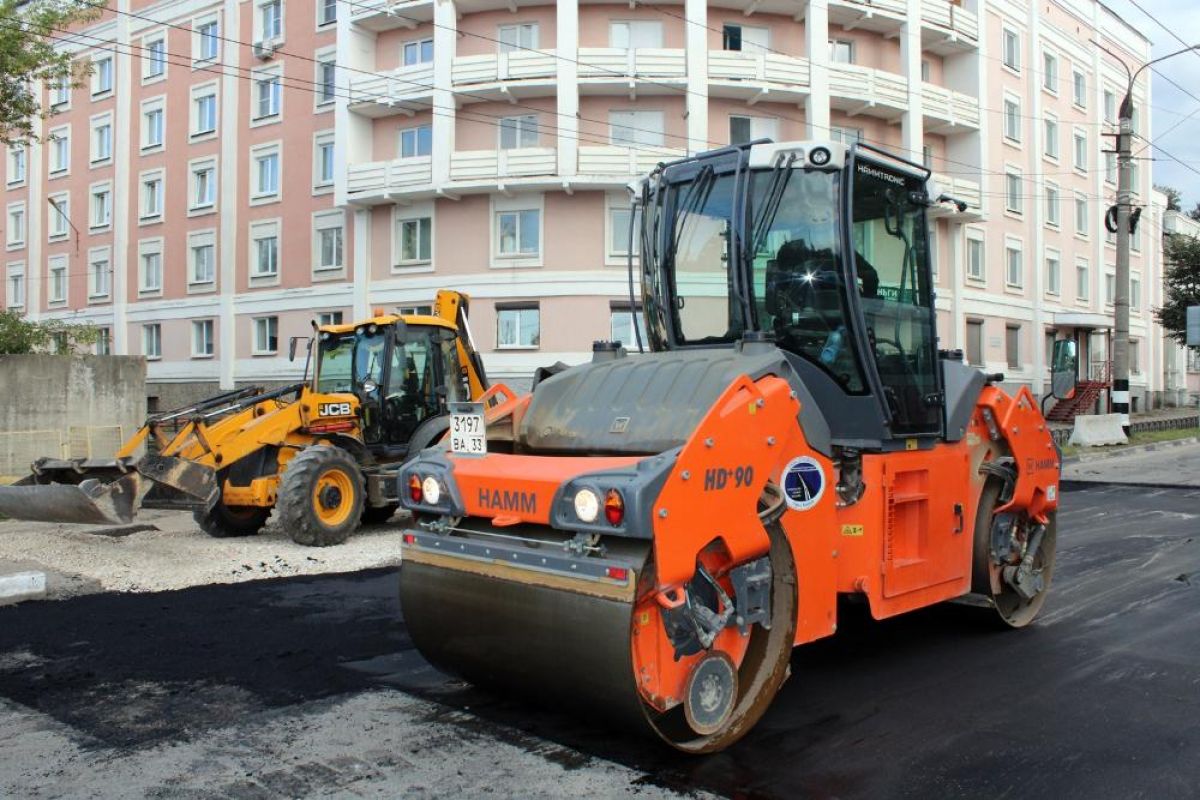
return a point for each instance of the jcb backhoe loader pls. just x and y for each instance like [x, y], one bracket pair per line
[323, 454]
[647, 537]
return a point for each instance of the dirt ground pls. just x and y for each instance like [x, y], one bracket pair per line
[166, 550]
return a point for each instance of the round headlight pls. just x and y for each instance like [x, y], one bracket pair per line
[432, 490]
[820, 156]
[587, 505]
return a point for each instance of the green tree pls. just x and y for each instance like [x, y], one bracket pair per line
[1181, 285]
[1173, 198]
[19, 336]
[28, 30]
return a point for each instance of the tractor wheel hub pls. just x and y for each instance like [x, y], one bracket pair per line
[711, 693]
[330, 497]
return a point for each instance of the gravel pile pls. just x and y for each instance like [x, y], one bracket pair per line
[166, 550]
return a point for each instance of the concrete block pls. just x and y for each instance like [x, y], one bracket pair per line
[1092, 430]
[22, 586]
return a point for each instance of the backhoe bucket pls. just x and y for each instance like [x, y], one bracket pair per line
[114, 502]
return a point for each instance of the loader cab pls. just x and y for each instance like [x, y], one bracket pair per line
[821, 247]
[402, 374]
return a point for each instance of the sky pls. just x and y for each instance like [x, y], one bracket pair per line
[1175, 116]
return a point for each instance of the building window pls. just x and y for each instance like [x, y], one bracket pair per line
[202, 338]
[415, 311]
[209, 36]
[155, 58]
[264, 247]
[104, 342]
[927, 156]
[745, 39]
[619, 221]
[60, 151]
[98, 276]
[519, 232]
[518, 37]
[1012, 50]
[327, 241]
[60, 92]
[1012, 119]
[205, 108]
[414, 241]
[266, 173]
[1110, 288]
[841, 51]
[1051, 144]
[1110, 167]
[975, 258]
[15, 275]
[268, 97]
[15, 235]
[1012, 345]
[329, 318]
[417, 52]
[621, 321]
[846, 136]
[150, 275]
[326, 12]
[1053, 206]
[1053, 274]
[975, 342]
[152, 196]
[152, 128]
[635, 128]
[266, 335]
[101, 140]
[1013, 273]
[747, 129]
[323, 160]
[101, 207]
[60, 215]
[926, 70]
[16, 164]
[416, 141]
[202, 255]
[1110, 106]
[270, 15]
[1081, 215]
[519, 131]
[1081, 280]
[204, 185]
[632, 34]
[518, 326]
[1012, 192]
[326, 82]
[1081, 150]
[1050, 72]
[57, 268]
[1135, 357]
[102, 75]
[152, 340]
[1079, 85]
[1135, 295]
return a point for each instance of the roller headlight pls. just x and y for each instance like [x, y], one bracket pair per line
[820, 156]
[587, 505]
[432, 490]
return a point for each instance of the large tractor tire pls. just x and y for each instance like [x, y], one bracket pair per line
[377, 515]
[321, 496]
[1012, 610]
[227, 522]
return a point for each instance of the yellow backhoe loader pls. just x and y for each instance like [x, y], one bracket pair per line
[323, 453]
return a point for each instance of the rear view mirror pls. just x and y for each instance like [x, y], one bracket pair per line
[292, 348]
[1064, 368]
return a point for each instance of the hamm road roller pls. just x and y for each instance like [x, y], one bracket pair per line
[646, 537]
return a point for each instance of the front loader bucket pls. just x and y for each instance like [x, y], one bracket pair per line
[96, 502]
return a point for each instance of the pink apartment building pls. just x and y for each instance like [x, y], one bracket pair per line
[237, 169]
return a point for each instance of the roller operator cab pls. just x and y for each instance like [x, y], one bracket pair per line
[648, 536]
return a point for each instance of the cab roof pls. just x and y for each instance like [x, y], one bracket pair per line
[412, 320]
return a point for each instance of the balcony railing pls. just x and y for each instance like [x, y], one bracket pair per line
[384, 177]
[610, 160]
[493, 67]
[642, 62]
[726, 65]
[963, 189]
[950, 17]
[392, 87]
[483, 165]
[950, 107]
[380, 15]
[898, 7]
[866, 86]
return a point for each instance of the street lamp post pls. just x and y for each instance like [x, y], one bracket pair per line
[1120, 387]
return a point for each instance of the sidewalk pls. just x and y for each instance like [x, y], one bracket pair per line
[1163, 465]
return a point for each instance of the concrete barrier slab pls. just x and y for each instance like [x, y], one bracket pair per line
[1092, 430]
[22, 586]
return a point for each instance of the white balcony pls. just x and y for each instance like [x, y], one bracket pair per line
[626, 162]
[881, 16]
[378, 181]
[600, 67]
[502, 76]
[491, 166]
[947, 27]
[948, 112]
[383, 15]
[959, 188]
[757, 76]
[400, 90]
[863, 90]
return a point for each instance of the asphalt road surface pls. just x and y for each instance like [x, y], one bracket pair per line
[309, 686]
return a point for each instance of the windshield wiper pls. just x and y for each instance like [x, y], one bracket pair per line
[694, 199]
[780, 174]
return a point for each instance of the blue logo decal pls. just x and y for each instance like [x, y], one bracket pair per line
[803, 483]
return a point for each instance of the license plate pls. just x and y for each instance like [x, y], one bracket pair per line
[468, 436]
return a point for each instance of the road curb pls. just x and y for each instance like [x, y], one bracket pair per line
[1075, 484]
[1134, 450]
[18, 586]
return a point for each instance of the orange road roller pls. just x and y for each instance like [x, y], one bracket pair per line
[646, 537]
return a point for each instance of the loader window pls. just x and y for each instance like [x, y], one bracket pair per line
[336, 355]
[706, 310]
[890, 238]
[413, 395]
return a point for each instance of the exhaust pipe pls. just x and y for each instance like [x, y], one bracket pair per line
[95, 502]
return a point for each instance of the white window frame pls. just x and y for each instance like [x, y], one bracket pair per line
[1017, 209]
[158, 37]
[258, 153]
[415, 132]
[322, 6]
[261, 34]
[147, 249]
[152, 333]
[195, 166]
[148, 107]
[58, 216]
[325, 57]
[264, 324]
[14, 285]
[1079, 146]
[95, 124]
[198, 239]
[324, 221]
[260, 230]
[199, 92]
[637, 320]
[1014, 245]
[1109, 109]
[531, 306]
[412, 215]
[18, 166]
[60, 94]
[842, 45]
[93, 190]
[520, 127]
[517, 28]
[634, 32]
[1086, 231]
[1053, 220]
[614, 256]
[99, 255]
[198, 38]
[760, 127]
[516, 204]
[60, 264]
[98, 89]
[1135, 293]
[418, 46]
[204, 338]
[1010, 34]
[647, 127]
[977, 236]
[61, 133]
[259, 77]
[330, 318]
[147, 215]
[15, 235]
[1050, 76]
[1079, 100]
[1048, 152]
[1011, 127]
[1082, 263]
[321, 139]
[1055, 256]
